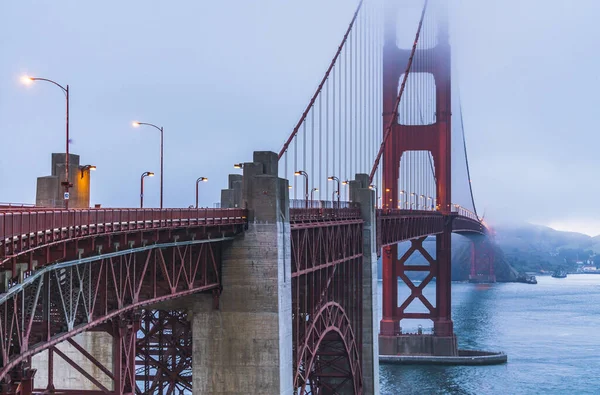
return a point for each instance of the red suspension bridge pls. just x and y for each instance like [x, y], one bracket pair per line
[270, 293]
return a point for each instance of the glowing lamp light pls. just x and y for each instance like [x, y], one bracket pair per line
[27, 80]
[135, 124]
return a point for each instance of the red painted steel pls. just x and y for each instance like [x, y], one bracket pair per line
[164, 353]
[23, 232]
[323, 214]
[436, 139]
[482, 260]
[395, 226]
[320, 87]
[66, 299]
[326, 314]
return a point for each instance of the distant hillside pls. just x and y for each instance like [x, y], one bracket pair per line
[519, 248]
[540, 248]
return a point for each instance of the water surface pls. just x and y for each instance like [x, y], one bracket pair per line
[550, 331]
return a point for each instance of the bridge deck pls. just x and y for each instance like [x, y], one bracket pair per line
[22, 231]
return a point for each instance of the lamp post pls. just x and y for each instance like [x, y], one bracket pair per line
[334, 178]
[423, 205]
[200, 179]
[346, 183]
[238, 166]
[374, 188]
[85, 168]
[411, 202]
[305, 174]
[160, 129]
[144, 175]
[311, 194]
[28, 80]
[402, 193]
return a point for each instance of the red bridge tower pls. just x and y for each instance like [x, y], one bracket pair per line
[435, 138]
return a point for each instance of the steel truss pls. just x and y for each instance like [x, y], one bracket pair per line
[395, 226]
[326, 306]
[105, 293]
[164, 353]
[416, 291]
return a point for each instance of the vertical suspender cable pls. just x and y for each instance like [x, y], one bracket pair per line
[402, 87]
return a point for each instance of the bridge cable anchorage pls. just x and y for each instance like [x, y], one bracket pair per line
[399, 97]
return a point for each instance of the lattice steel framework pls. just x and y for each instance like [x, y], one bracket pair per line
[106, 293]
[164, 353]
[403, 136]
[326, 306]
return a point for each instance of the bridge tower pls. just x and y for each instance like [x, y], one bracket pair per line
[436, 139]
[482, 260]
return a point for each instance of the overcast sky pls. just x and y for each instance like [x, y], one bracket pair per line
[225, 78]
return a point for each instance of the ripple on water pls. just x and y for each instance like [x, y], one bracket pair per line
[550, 331]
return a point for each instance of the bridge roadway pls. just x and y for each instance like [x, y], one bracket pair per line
[65, 272]
[34, 242]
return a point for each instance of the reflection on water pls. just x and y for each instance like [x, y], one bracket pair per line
[550, 331]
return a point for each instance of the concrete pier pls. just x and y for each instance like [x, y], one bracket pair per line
[98, 344]
[245, 346]
[50, 192]
[364, 196]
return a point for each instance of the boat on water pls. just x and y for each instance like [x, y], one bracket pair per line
[560, 274]
[527, 278]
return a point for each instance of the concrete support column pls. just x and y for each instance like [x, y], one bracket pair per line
[50, 192]
[232, 196]
[245, 346]
[370, 342]
[54, 369]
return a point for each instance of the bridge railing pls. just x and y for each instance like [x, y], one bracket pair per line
[463, 212]
[18, 206]
[322, 210]
[317, 204]
[401, 212]
[24, 223]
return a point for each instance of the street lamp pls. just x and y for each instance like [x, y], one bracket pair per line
[374, 188]
[421, 197]
[305, 174]
[160, 129]
[311, 195]
[200, 179]
[334, 178]
[402, 193]
[238, 166]
[144, 175]
[345, 183]
[86, 168]
[29, 80]
[411, 202]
